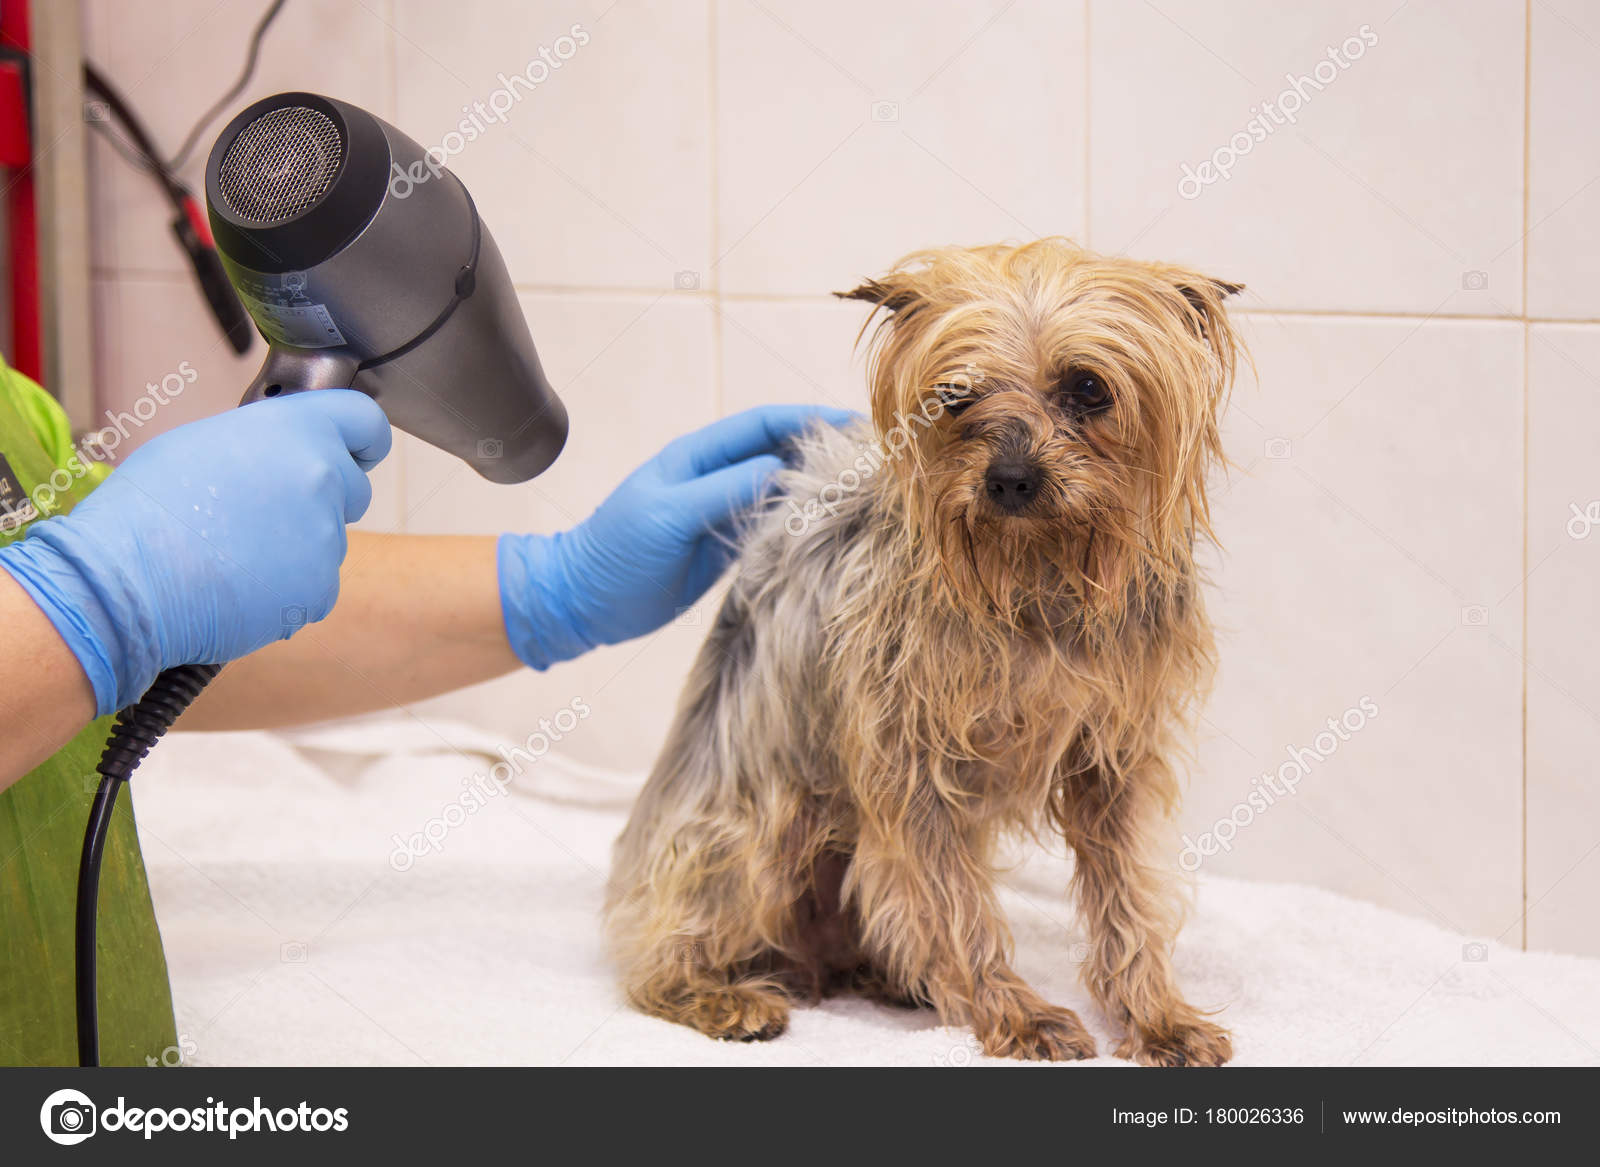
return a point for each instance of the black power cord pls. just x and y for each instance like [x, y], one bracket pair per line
[137, 729]
[177, 160]
[141, 725]
[189, 225]
[141, 154]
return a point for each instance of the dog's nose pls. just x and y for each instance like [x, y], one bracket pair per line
[1012, 485]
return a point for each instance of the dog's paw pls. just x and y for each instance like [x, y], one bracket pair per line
[1178, 1043]
[741, 1013]
[1043, 1035]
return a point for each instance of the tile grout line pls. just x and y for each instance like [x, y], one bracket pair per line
[818, 299]
[719, 387]
[391, 58]
[1088, 127]
[1527, 418]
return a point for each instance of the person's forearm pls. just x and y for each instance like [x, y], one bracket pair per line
[45, 696]
[417, 615]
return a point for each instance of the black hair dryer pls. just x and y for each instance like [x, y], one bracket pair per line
[364, 264]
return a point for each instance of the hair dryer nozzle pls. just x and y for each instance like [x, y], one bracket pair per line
[364, 264]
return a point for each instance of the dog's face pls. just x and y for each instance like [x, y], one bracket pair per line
[1058, 411]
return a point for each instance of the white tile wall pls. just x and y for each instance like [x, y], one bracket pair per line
[1399, 176]
[849, 134]
[1563, 193]
[677, 198]
[1563, 665]
[1372, 549]
[775, 351]
[601, 175]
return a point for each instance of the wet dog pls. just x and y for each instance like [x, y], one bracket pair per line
[980, 615]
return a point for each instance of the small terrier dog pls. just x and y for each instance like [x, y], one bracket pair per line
[989, 621]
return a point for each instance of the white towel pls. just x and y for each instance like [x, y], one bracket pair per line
[294, 938]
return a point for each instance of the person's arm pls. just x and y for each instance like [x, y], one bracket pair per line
[422, 615]
[195, 551]
[418, 615]
[45, 698]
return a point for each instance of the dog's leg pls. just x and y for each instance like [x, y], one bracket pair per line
[1132, 909]
[929, 920]
[707, 875]
[700, 903]
[692, 950]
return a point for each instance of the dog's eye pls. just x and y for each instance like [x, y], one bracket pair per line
[1085, 394]
[953, 397]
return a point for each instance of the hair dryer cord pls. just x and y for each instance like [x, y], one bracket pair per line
[138, 728]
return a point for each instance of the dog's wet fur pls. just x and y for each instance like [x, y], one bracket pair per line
[977, 615]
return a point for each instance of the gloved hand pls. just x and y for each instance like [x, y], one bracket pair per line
[653, 547]
[209, 542]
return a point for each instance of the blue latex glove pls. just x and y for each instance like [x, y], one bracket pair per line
[209, 542]
[654, 546]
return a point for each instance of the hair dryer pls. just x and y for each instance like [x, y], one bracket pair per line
[355, 284]
[365, 265]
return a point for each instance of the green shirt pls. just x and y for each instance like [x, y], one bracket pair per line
[42, 818]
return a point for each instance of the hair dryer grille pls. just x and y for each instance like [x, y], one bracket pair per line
[280, 165]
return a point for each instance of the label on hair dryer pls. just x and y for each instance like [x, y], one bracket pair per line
[297, 325]
[283, 311]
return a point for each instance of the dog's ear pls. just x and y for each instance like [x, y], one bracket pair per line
[1208, 383]
[1219, 289]
[892, 294]
[1205, 297]
[899, 309]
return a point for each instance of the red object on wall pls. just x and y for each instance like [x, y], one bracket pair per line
[16, 156]
[13, 116]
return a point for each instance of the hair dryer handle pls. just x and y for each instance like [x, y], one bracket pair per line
[289, 370]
